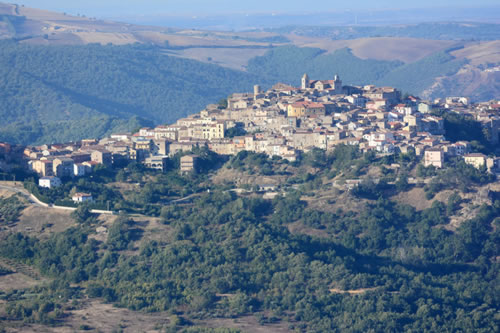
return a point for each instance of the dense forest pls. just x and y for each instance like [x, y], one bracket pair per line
[46, 92]
[422, 72]
[10, 209]
[382, 267]
[288, 63]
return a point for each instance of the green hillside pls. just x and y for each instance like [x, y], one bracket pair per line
[289, 63]
[46, 92]
[378, 265]
[418, 76]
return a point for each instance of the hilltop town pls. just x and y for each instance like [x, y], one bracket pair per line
[380, 204]
[285, 121]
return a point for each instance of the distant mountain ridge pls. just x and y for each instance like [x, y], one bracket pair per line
[432, 30]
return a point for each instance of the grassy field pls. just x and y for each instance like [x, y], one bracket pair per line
[406, 50]
[480, 52]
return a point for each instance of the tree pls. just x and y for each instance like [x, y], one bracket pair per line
[234, 131]
[453, 204]
[223, 103]
[120, 233]
[82, 214]
[402, 182]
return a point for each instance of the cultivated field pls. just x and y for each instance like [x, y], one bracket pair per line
[480, 52]
[382, 48]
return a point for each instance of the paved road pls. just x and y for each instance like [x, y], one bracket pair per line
[185, 198]
[31, 198]
[34, 200]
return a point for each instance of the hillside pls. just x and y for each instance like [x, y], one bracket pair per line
[318, 258]
[48, 90]
[60, 93]
[407, 50]
[423, 72]
[466, 69]
[36, 26]
[468, 81]
[288, 62]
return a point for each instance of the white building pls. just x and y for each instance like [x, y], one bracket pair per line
[81, 197]
[121, 137]
[49, 182]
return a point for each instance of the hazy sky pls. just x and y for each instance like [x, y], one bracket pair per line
[103, 8]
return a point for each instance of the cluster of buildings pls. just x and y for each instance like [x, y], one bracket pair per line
[283, 121]
[57, 161]
[67, 160]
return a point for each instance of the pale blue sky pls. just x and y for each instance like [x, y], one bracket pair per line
[104, 8]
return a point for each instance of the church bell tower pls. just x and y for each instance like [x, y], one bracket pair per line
[305, 82]
[337, 84]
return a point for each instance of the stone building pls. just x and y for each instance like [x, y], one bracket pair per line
[102, 157]
[434, 156]
[189, 163]
[475, 159]
[63, 167]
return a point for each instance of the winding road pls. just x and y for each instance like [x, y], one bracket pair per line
[34, 200]
[31, 198]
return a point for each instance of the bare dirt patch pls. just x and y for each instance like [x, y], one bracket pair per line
[106, 317]
[415, 198]
[248, 324]
[151, 228]
[157, 231]
[189, 38]
[42, 222]
[17, 281]
[352, 292]
[100, 317]
[471, 205]
[17, 185]
[331, 200]
[105, 38]
[299, 228]
[21, 277]
[6, 193]
[122, 186]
